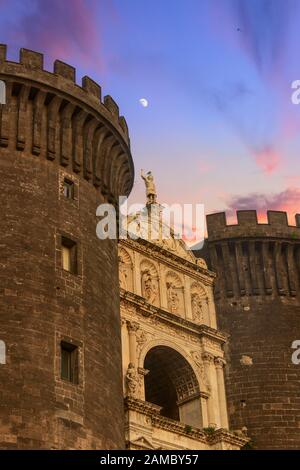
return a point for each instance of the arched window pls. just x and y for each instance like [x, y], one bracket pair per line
[172, 384]
[2, 92]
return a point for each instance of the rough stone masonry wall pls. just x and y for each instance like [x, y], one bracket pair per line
[51, 128]
[257, 296]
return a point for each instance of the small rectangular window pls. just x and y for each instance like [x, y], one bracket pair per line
[68, 189]
[69, 362]
[69, 255]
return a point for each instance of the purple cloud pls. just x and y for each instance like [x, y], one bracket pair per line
[64, 30]
[287, 200]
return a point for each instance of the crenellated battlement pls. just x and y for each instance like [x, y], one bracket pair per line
[252, 258]
[248, 226]
[65, 122]
[65, 74]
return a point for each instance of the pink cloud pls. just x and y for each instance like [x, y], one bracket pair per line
[267, 159]
[63, 30]
[205, 167]
[287, 200]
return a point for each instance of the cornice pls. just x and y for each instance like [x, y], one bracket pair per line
[151, 410]
[161, 254]
[149, 310]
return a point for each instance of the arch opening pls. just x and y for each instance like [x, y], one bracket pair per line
[172, 384]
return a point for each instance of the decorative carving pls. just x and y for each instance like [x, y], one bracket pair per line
[197, 312]
[246, 360]
[199, 363]
[199, 303]
[132, 380]
[135, 307]
[180, 257]
[141, 339]
[209, 343]
[208, 357]
[143, 371]
[185, 382]
[169, 243]
[132, 326]
[123, 274]
[174, 293]
[172, 296]
[219, 362]
[149, 280]
[148, 286]
[125, 270]
[141, 443]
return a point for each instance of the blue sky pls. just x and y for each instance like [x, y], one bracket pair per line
[220, 128]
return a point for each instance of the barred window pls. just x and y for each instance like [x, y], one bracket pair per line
[68, 189]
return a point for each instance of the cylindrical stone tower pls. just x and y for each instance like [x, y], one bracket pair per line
[257, 296]
[63, 152]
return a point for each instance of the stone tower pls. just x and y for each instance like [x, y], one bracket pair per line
[257, 295]
[63, 151]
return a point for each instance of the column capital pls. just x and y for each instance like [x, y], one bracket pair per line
[132, 326]
[219, 362]
[208, 357]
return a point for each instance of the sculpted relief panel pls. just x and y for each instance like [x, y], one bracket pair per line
[175, 293]
[149, 282]
[132, 380]
[199, 303]
[125, 270]
[181, 295]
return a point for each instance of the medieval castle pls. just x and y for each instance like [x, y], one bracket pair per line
[133, 343]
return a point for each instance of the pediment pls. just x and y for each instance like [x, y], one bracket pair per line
[155, 230]
[143, 443]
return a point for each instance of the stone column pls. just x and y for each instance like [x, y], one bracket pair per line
[211, 311]
[219, 364]
[187, 298]
[132, 329]
[142, 373]
[137, 274]
[204, 408]
[125, 348]
[208, 360]
[162, 287]
[207, 318]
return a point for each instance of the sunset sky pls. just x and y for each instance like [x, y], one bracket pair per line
[220, 128]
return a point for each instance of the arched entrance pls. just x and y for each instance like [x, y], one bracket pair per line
[171, 383]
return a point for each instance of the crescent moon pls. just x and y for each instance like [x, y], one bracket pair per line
[144, 102]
